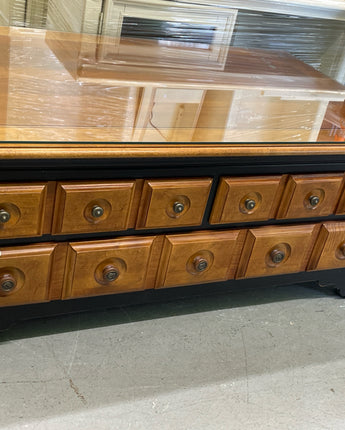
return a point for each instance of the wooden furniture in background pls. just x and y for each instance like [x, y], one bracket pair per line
[260, 96]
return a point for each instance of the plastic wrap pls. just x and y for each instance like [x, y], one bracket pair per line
[166, 71]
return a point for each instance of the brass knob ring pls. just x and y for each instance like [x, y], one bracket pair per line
[250, 204]
[4, 216]
[314, 201]
[97, 211]
[7, 283]
[200, 264]
[110, 273]
[178, 207]
[277, 256]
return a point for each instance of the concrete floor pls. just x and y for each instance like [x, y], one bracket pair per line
[270, 359]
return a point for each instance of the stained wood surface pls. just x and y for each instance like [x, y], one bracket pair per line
[30, 269]
[255, 69]
[300, 188]
[51, 271]
[134, 258]
[329, 249]
[36, 150]
[54, 88]
[156, 207]
[295, 242]
[232, 194]
[29, 207]
[76, 200]
[181, 253]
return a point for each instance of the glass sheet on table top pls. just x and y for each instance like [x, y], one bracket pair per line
[166, 71]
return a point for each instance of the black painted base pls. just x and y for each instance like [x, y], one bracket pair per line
[11, 315]
[341, 292]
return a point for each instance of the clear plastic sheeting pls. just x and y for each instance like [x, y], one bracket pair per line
[167, 71]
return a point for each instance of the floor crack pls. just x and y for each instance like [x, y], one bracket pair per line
[76, 390]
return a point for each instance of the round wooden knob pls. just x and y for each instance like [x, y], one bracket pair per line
[7, 283]
[200, 264]
[250, 204]
[4, 216]
[178, 207]
[110, 273]
[314, 201]
[277, 256]
[97, 211]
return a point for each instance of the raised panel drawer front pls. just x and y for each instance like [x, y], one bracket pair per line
[25, 274]
[197, 258]
[173, 202]
[246, 199]
[329, 249]
[93, 206]
[112, 266]
[275, 250]
[307, 196]
[23, 209]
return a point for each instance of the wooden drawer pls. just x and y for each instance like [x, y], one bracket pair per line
[93, 206]
[246, 199]
[197, 258]
[173, 202]
[25, 274]
[308, 196]
[274, 250]
[25, 209]
[329, 249]
[341, 205]
[112, 266]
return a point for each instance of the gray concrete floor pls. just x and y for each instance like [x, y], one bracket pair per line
[270, 359]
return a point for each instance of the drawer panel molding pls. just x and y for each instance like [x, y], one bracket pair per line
[247, 199]
[200, 257]
[275, 250]
[93, 206]
[173, 202]
[307, 196]
[25, 209]
[25, 274]
[329, 249]
[111, 266]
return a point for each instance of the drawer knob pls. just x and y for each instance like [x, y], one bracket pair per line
[277, 256]
[97, 211]
[4, 216]
[314, 201]
[178, 207]
[250, 204]
[200, 264]
[110, 273]
[8, 283]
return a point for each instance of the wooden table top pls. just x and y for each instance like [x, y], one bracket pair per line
[244, 68]
[54, 89]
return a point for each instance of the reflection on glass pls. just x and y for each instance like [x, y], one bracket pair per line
[127, 72]
[169, 32]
